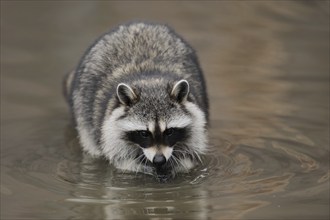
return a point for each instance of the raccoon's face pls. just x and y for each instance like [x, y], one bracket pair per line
[155, 129]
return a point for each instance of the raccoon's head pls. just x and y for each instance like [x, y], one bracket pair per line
[157, 128]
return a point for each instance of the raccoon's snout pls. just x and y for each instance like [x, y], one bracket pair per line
[159, 160]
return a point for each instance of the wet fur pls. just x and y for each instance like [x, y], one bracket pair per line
[150, 59]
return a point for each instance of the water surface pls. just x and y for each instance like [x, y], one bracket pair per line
[267, 68]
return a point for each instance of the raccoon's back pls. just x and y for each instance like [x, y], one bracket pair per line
[138, 47]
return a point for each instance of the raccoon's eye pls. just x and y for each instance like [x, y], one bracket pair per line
[169, 131]
[144, 134]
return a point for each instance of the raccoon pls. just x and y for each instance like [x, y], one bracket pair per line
[139, 99]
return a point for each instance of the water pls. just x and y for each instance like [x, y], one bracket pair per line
[267, 68]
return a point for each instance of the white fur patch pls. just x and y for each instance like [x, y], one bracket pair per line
[113, 147]
[186, 165]
[150, 153]
[167, 152]
[198, 139]
[131, 125]
[162, 125]
[151, 127]
[130, 165]
[179, 122]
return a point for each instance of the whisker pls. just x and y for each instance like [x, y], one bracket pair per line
[139, 164]
[199, 158]
[193, 153]
[175, 159]
[178, 160]
[133, 160]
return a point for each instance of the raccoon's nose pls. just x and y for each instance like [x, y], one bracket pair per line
[159, 160]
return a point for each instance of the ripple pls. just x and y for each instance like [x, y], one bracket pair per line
[307, 163]
[231, 177]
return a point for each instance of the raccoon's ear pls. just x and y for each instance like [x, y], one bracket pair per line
[125, 94]
[180, 91]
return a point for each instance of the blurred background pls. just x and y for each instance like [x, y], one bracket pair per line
[266, 64]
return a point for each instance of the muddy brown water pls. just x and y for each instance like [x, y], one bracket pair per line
[267, 68]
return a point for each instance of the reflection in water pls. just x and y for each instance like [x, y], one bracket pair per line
[267, 74]
[228, 176]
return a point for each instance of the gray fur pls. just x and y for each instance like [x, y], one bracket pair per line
[143, 61]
